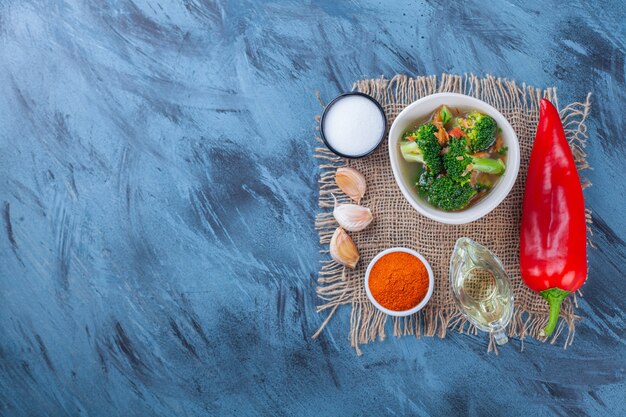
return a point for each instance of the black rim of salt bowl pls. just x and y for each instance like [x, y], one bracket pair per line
[336, 99]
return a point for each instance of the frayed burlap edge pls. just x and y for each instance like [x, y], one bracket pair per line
[335, 288]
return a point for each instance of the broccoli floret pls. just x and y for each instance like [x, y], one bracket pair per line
[488, 165]
[457, 159]
[483, 185]
[445, 114]
[481, 131]
[449, 195]
[425, 181]
[422, 146]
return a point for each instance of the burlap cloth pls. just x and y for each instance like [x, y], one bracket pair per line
[396, 223]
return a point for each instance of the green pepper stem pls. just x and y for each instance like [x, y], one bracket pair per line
[554, 297]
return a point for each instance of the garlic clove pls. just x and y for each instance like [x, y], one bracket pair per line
[343, 250]
[351, 182]
[352, 217]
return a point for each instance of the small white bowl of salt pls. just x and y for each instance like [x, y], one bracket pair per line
[353, 125]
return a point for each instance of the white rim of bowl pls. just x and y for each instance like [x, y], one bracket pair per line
[431, 283]
[442, 218]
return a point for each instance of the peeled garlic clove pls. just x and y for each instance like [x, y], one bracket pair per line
[351, 182]
[352, 217]
[342, 249]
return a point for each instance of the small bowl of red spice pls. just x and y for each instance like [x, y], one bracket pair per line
[399, 281]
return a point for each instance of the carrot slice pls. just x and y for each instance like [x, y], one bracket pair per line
[456, 132]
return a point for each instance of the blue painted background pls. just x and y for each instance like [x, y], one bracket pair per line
[158, 192]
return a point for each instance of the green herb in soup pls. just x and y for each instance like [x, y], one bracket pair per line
[456, 157]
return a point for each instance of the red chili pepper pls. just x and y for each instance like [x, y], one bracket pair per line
[553, 237]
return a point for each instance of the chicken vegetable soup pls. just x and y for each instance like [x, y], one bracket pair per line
[454, 158]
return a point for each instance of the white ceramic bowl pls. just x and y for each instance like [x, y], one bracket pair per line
[431, 283]
[422, 109]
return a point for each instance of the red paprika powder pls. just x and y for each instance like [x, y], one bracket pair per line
[398, 281]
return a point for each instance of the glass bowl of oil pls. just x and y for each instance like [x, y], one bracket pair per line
[481, 288]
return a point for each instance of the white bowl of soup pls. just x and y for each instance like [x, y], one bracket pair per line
[478, 157]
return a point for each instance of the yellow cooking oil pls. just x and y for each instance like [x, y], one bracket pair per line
[481, 288]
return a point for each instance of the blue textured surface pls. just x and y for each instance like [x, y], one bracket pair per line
[157, 251]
